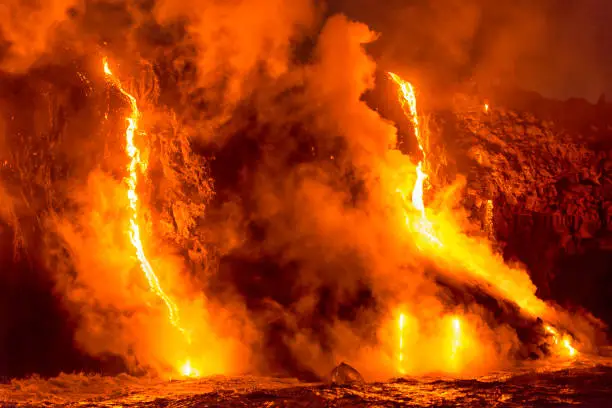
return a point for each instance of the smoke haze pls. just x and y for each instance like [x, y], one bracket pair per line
[271, 212]
[557, 48]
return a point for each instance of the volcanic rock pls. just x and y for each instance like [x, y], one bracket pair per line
[550, 182]
[344, 374]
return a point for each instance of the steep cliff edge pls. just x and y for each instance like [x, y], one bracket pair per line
[548, 176]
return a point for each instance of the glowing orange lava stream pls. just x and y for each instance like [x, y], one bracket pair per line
[400, 356]
[565, 341]
[456, 342]
[526, 300]
[132, 182]
[408, 101]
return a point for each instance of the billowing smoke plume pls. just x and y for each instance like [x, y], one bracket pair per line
[237, 40]
[270, 201]
[29, 29]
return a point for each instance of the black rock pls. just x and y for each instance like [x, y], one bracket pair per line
[345, 374]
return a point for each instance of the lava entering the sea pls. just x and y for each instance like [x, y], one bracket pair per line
[256, 195]
[137, 164]
[448, 242]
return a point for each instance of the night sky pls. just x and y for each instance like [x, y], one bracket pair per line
[560, 48]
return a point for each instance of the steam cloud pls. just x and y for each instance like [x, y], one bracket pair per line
[296, 258]
[553, 48]
[29, 30]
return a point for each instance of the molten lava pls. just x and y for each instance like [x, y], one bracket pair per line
[488, 220]
[455, 248]
[188, 371]
[456, 338]
[408, 102]
[400, 357]
[134, 229]
[562, 343]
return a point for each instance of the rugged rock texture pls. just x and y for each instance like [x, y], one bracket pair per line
[550, 188]
[344, 374]
[586, 386]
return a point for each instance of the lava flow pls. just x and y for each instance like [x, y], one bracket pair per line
[456, 339]
[408, 102]
[134, 230]
[451, 245]
[564, 346]
[400, 356]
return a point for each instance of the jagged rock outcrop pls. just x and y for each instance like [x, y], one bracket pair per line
[551, 191]
[344, 374]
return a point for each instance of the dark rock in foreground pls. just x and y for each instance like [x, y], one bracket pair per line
[344, 374]
[585, 384]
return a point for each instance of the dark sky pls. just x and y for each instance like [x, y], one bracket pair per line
[560, 48]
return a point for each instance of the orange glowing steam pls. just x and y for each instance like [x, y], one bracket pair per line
[188, 371]
[132, 182]
[449, 245]
[562, 344]
[401, 322]
[456, 338]
[488, 220]
[454, 247]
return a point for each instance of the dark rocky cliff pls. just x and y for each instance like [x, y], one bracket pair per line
[546, 166]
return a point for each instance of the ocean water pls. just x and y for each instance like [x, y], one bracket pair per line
[581, 383]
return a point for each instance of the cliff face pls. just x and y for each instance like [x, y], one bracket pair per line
[551, 189]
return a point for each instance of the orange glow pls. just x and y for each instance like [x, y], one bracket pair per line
[486, 108]
[456, 338]
[571, 351]
[408, 101]
[400, 357]
[562, 344]
[134, 229]
[488, 220]
[132, 183]
[447, 244]
[188, 371]
[451, 245]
